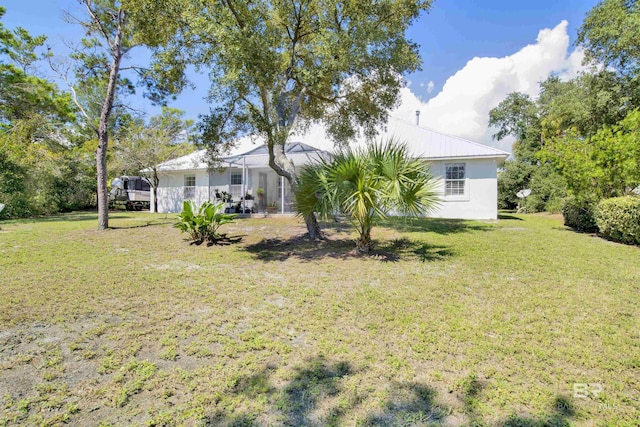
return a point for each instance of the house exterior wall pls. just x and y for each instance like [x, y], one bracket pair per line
[479, 201]
[171, 187]
[480, 198]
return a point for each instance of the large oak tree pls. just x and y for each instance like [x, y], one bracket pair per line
[277, 66]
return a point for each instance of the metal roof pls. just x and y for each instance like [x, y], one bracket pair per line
[430, 144]
[298, 152]
[421, 141]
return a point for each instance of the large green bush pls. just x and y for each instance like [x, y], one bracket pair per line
[579, 214]
[618, 219]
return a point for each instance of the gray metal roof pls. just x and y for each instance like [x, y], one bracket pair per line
[430, 144]
[298, 152]
[422, 142]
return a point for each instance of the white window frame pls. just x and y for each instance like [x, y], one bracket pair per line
[189, 191]
[462, 183]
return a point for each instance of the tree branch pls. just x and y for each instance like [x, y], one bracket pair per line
[95, 19]
[235, 14]
[295, 107]
[74, 94]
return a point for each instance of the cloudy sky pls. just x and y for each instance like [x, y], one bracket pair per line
[474, 54]
[462, 105]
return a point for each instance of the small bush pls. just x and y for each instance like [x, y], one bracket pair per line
[203, 224]
[618, 219]
[579, 214]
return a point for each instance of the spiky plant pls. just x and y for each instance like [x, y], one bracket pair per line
[367, 184]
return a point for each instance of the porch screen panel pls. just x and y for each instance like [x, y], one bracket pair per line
[236, 186]
[288, 205]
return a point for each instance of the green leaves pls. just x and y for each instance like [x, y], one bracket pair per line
[202, 223]
[366, 185]
[606, 164]
[618, 219]
[274, 64]
[611, 35]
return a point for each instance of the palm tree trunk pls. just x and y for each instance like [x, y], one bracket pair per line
[364, 244]
[313, 228]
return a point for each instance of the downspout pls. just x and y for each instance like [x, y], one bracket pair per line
[229, 180]
[282, 194]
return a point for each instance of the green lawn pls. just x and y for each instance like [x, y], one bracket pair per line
[448, 323]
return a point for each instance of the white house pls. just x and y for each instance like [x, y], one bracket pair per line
[466, 173]
[191, 178]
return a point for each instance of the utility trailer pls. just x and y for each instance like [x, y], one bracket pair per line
[132, 192]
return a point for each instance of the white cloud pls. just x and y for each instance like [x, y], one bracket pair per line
[462, 107]
[430, 86]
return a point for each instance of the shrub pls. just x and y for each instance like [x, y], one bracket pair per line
[618, 219]
[203, 224]
[579, 214]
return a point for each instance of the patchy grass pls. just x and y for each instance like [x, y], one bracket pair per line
[517, 322]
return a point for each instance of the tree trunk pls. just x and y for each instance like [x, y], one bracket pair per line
[313, 228]
[103, 125]
[101, 166]
[283, 166]
[154, 186]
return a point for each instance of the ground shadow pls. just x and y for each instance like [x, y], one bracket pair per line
[318, 393]
[301, 248]
[147, 224]
[560, 415]
[225, 240]
[70, 217]
[222, 240]
[473, 388]
[505, 216]
[433, 225]
[409, 404]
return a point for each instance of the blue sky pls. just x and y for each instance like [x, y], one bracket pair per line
[450, 36]
[456, 31]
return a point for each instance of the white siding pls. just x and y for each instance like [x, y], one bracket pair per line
[480, 199]
[170, 189]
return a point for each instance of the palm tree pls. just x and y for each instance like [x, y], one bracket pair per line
[367, 184]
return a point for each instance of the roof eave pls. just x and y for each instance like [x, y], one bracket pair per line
[470, 157]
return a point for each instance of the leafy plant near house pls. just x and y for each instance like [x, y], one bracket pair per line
[367, 184]
[203, 223]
